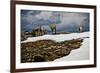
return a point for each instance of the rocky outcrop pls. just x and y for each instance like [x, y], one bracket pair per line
[47, 50]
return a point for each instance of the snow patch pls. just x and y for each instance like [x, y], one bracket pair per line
[58, 37]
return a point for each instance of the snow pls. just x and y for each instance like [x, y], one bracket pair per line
[58, 37]
[81, 53]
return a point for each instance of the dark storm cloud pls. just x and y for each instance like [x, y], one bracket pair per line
[30, 12]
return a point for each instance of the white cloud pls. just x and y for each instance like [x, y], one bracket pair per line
[44, 15]
[71, 18]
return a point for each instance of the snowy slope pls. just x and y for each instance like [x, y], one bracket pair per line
[59, 37]
[81, 53]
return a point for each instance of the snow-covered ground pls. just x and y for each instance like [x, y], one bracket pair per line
[81, 53]
[59, 37]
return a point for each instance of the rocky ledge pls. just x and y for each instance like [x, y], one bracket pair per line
[47, 50]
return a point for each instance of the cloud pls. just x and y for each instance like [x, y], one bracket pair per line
[64, 20]
[73, 19]
[44, 15]
[34, 19]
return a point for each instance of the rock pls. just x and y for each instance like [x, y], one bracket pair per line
[47, 50]
[39, 58]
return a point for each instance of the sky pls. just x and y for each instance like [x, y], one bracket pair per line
[64, 21]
